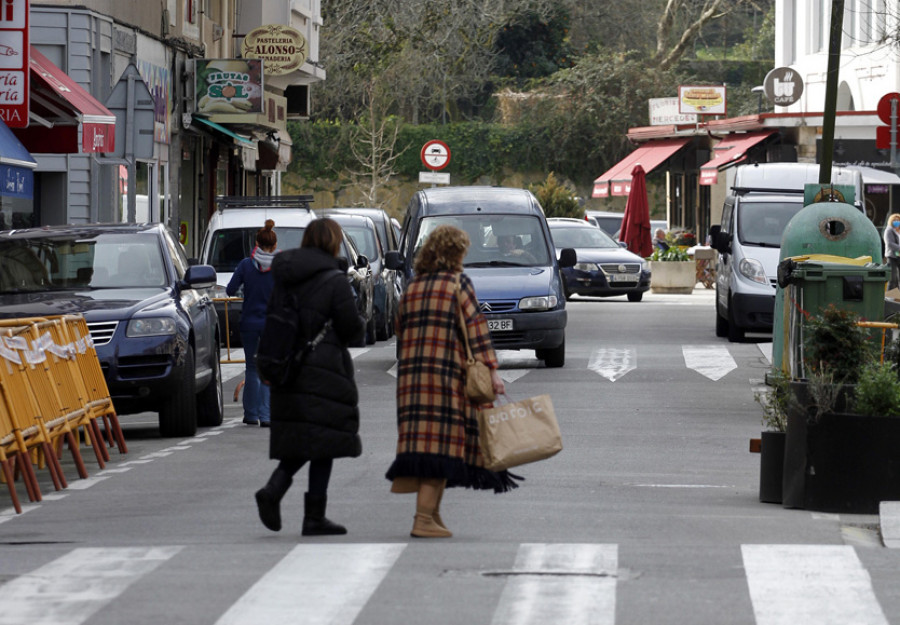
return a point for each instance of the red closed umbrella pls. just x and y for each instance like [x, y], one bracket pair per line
[636, 221]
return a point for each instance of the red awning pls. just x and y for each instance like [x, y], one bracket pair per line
[617, 180]
[730, 151]
[59, 107]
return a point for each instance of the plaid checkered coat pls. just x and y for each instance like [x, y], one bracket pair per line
[436, 422]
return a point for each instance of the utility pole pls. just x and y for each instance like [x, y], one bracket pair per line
[831, 87]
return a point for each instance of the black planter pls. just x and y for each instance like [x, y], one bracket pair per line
[771, 466]
[842, 463]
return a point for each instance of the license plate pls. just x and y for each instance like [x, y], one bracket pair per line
[622, 277]
[500, 325]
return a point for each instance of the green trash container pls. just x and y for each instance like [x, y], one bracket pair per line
[813, 284]
[829, 229]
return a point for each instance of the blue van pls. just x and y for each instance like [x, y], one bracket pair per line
[511, 261]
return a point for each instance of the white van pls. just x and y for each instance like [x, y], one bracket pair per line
[762, 200]
[231, 236]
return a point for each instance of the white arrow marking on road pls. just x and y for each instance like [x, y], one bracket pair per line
[573, 584]
[316, 585]
[824, 584]
[713, 361]
[613, 362]
[766, 349]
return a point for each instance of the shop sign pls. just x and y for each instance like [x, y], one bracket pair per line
[701, 99]
[783, 86]
[228, 86]
[284, 49]
[14, 63]
[664, 112]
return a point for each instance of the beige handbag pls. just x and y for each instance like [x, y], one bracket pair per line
[479, 386]
[518, 432]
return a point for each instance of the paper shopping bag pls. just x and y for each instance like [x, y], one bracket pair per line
[518, 433]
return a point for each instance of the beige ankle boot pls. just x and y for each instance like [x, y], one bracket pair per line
[426, 503]
[425, 527]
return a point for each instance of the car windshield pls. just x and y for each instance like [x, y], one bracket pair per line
[495, 240]
[111, 260]
[364, 240]
[763, 223]
[581, 237]
[230, 246]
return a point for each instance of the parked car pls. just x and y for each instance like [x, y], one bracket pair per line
[608, 221]
[605, 268]
[364, 233]
[231, 236]
[359, 274]
[148, 311]
[655, 224]
[520, 291]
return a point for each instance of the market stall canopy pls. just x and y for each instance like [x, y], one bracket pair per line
[876, 176]
[60, 108]
[617, 179]
[730, 151]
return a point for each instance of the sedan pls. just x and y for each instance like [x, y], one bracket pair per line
[604, 268]
[359, 273]
[148, 311]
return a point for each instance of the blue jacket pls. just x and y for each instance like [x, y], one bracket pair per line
[255, 274]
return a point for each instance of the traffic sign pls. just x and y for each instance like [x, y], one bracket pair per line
[435, 155]
[884, 106]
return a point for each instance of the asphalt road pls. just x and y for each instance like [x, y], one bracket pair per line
[650, 514]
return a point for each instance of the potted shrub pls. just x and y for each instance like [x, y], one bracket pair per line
[843, 430]
[672, 271]
[776, 403]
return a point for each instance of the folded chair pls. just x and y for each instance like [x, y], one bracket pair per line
[99, 401]
[10, 454]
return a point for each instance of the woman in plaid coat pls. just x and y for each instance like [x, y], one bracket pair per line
[437, 424]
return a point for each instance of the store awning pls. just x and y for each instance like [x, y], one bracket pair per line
[225, 131]
[870, 175]
[12, 152]
[730, 151]
[275, 155]
[617, 179]
[16, 167]
[60, 107]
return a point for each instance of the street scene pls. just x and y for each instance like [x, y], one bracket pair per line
[650, 514]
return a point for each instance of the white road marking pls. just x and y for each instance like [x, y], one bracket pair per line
[573, 584]
[316, 585]
[713, 361]
[766, 349]
[613, 362]
[87, 482]
[71, 589]
[822, 584]
[356, 352]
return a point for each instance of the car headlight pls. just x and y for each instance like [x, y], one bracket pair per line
[153, 326]
[753, 270]
[538, 303]
[645, 265]
[585, 267]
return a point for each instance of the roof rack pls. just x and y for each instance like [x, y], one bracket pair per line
[745, 190]
[264, 201]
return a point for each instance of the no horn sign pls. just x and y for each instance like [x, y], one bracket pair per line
[435, 155]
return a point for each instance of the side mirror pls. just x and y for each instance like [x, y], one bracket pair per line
[623, 244]
[393, 260]
[362, 261]
[567, 258]
[199, 277]
[718, 239]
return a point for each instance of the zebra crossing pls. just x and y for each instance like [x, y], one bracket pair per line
[332, 583]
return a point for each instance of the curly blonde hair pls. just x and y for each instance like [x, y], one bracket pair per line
[444, 250]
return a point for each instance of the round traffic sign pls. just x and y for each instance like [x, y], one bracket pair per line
[884, 106]
[435, 155]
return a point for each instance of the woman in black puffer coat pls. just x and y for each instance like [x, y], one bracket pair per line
[315, 417]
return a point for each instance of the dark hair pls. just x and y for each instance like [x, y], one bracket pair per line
[324, 234]
[265, 236]
[443, 250]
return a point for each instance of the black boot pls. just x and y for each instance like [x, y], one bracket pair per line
[268, 499]
[314, 521]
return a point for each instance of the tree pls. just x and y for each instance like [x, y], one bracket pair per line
[681, 22]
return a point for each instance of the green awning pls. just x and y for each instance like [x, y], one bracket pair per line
[223, 130]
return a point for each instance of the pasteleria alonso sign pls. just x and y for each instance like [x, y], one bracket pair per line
[284, 49]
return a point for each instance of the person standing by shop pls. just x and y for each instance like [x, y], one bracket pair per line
[892, 249]
[437, 425]
[315, 417]
[254, 273]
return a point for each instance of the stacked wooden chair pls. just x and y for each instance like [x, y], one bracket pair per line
[50, 392]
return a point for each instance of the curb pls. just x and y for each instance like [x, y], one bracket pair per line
[889, 512]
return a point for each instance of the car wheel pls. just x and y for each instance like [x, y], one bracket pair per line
[735, 333]
[721, 323]
[636, 297]
[211, 400]
[384, 332]
[555, 357]
[370, 331]
[178, 413]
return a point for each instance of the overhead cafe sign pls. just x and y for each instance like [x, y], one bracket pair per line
[282, 48]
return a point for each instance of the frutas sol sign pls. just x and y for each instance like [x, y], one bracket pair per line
[14, 60]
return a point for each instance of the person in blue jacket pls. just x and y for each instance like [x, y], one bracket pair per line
[255, 274]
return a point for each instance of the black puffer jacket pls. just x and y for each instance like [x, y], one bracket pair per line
[317, 416]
